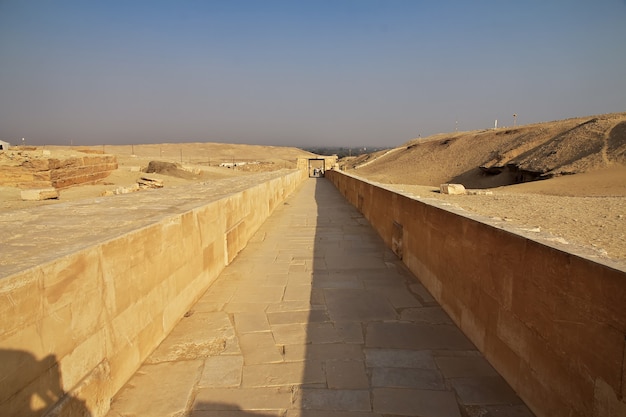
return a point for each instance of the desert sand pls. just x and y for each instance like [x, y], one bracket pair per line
[586, 209]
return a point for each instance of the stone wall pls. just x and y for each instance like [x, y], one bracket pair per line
[74, 329]
[552, 323]
[33, 169]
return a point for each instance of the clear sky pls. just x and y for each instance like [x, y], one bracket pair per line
[302, 73]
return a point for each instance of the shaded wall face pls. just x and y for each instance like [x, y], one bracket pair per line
[552, 323]
[74, 330]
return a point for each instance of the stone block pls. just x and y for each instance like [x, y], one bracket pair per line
[56, 331]
[82, 360]
[452, 189]
[38, 194]
[20, 299]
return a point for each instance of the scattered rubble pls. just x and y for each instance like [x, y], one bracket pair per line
[143, 183]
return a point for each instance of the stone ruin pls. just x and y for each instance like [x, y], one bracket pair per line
[41, 173]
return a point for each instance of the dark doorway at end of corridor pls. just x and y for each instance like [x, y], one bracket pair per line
[317, 167]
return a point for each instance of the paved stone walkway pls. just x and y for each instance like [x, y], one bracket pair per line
[316, 318]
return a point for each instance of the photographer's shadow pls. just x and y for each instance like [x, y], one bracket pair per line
[32, 388]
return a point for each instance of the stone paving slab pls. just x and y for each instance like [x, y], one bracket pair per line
[168, 387]
[317, 318]
[412, 402]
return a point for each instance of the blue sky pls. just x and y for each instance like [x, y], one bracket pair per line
[301, 73]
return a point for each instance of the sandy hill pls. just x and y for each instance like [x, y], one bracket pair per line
[504, 156]
[585, 210]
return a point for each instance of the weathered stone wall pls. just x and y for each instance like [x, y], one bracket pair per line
[75, 328]
[32, 169]
[552, 323]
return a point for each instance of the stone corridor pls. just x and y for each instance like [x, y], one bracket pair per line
[316, 318]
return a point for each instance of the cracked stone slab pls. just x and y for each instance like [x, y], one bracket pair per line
[199, 336]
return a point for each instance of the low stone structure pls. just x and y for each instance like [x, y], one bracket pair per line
[552, 323]
[40, 169]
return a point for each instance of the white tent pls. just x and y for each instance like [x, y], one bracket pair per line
[4, 145]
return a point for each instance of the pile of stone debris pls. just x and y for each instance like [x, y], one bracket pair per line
[143, 183]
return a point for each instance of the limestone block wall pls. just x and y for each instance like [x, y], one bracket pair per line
[73, 330]
[551, 322]
[33, 169]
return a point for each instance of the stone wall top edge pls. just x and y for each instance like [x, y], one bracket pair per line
[43, 235]
[531, 234]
